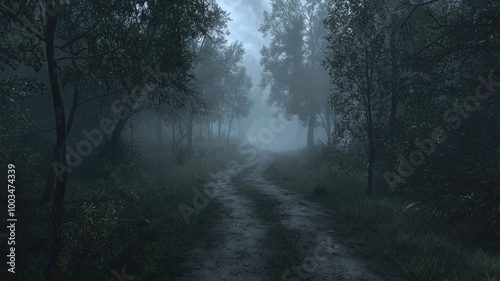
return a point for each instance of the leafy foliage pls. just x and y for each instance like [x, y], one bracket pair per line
[400, 80]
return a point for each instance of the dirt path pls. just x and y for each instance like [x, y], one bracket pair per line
[239, 252]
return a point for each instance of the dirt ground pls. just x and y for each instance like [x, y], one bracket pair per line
[238, 252]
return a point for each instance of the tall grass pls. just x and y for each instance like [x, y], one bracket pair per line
[127, 219]
[416, 245]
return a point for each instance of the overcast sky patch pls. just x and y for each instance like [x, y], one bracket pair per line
[247, 16]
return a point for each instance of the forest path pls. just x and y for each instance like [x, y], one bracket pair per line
[241, 253]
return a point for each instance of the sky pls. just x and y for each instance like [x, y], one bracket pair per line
[247, 16]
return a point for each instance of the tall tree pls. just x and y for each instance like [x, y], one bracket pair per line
[292, 60]
[357, 67]
[104, 42]
[237, 102]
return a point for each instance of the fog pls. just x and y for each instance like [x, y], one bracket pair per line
[248, 140]
[246, 17]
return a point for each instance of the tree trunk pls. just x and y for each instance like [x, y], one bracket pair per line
[131, 145]
[310, 132]
[74, 106]
[174, 140]
[394, 84]
[115, 136]
[209, 129]
[369, 129]
[371, 158]
[328, 123]
[159, 127]
[60, 157]
[324, 122]
[219, 123]
[390, 147]
[49, 183]
[394, 72]
[229, 132]
[190, 133]
[76, 95]
[51, 177]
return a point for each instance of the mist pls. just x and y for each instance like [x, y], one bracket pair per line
[250, 140]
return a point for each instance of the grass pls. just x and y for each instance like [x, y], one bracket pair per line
[283, 256]
[419, 249]
[128, 219]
